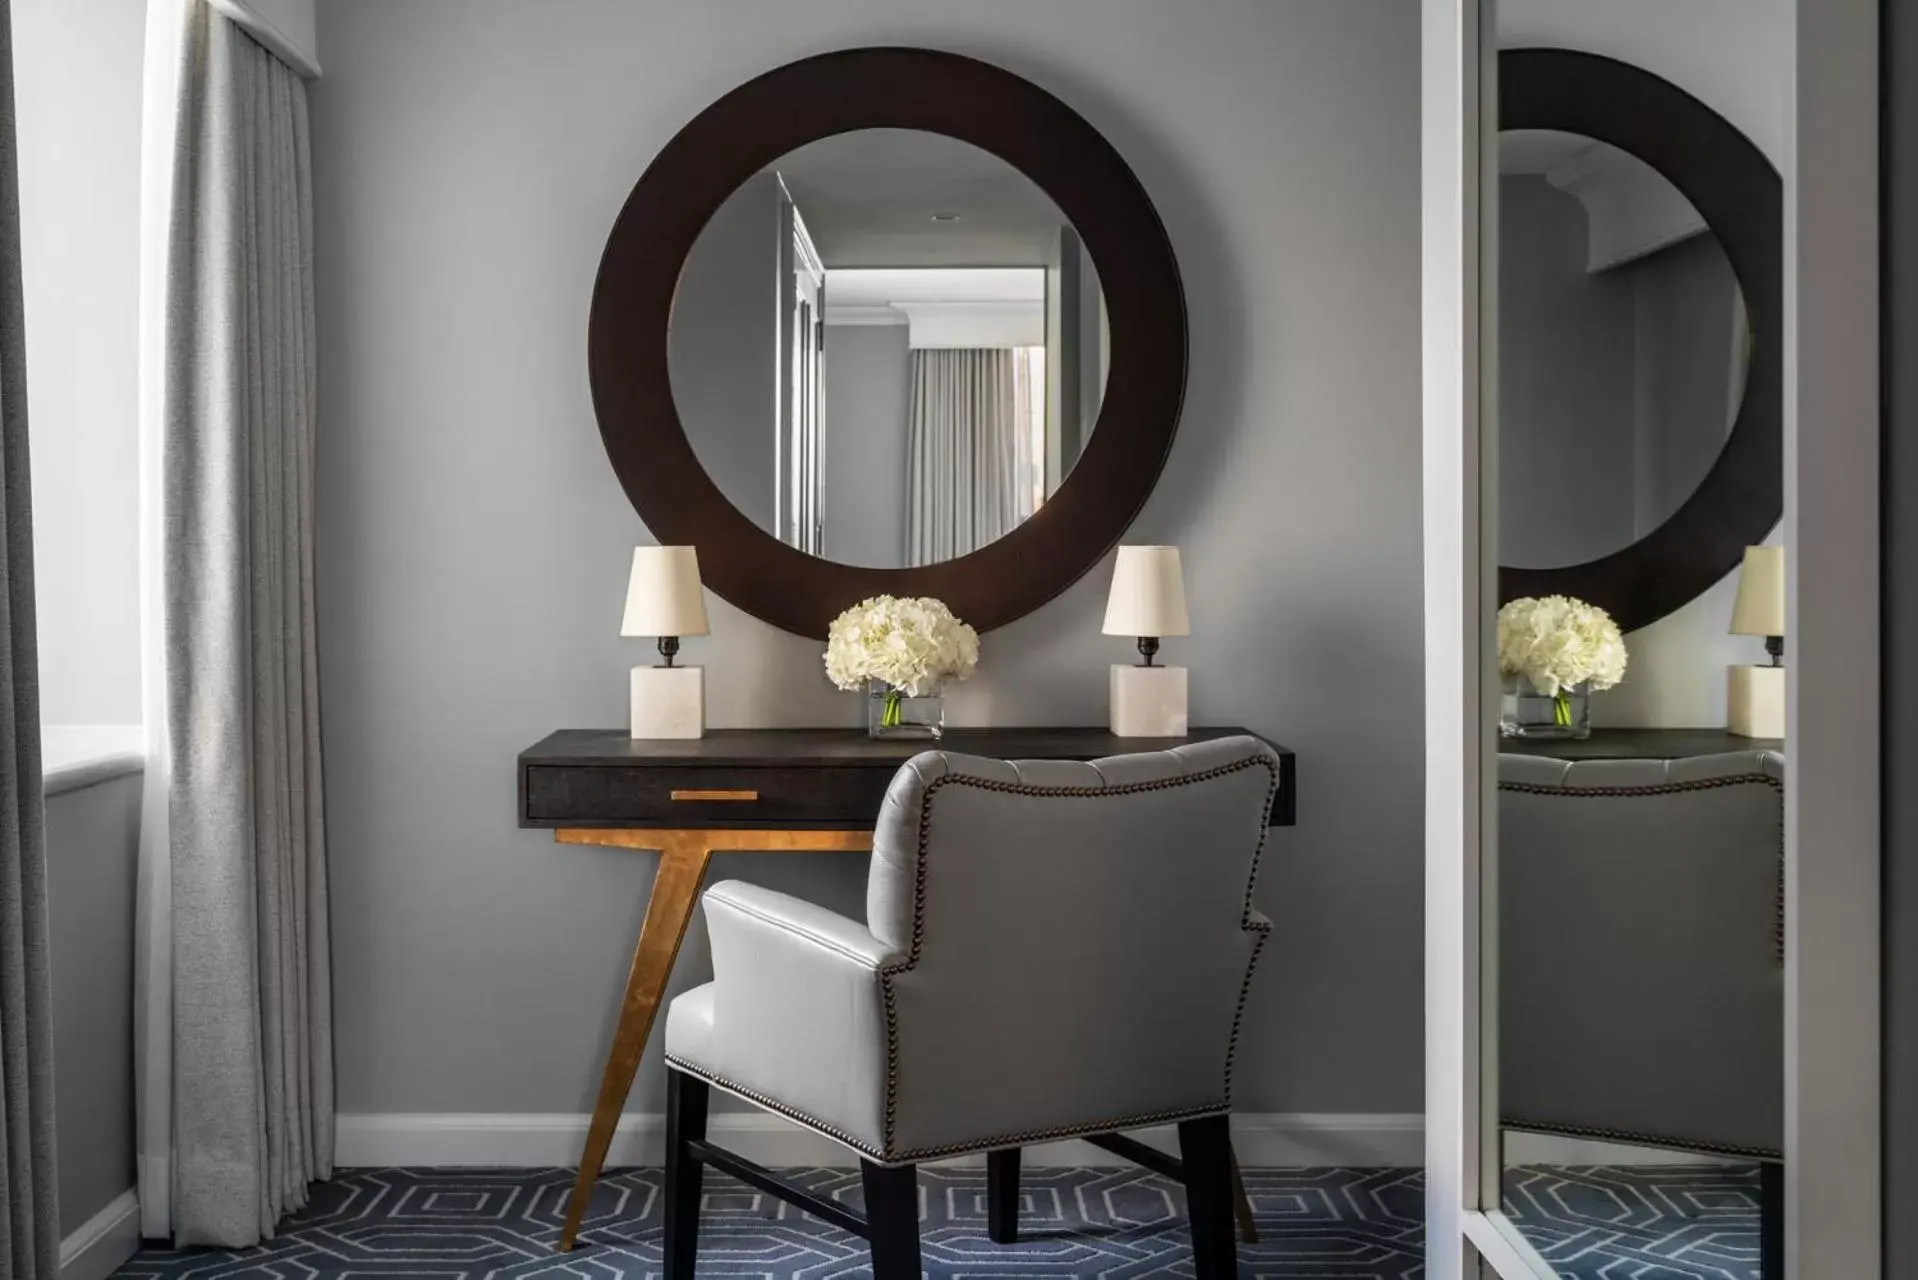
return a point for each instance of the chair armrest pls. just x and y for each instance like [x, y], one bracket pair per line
[798, 1008]
[777, 921]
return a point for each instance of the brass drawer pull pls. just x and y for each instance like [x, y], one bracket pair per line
[715, 795]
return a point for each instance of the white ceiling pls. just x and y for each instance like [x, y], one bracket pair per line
[1631, 208]
[887, 286]
[1540, 150]
[869, 199]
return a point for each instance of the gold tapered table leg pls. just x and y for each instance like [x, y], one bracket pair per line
[682, 865]
[683, 856]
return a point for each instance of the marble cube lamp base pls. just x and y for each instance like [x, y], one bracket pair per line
[669, 702]
[1755, 701]
[1148, 702]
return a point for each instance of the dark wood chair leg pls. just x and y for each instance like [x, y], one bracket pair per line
[892, 1220]
[1242, 1205]
[686, 1103]
[1205, 1147]
[1771, 1221]
[1002, 1196]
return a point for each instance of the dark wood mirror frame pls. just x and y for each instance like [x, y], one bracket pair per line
[888, 88]
[1738, 193]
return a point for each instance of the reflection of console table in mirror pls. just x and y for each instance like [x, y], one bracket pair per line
[770, 790]
[1641, 744]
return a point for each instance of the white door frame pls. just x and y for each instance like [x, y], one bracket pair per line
[1456, 57]
[1832, 816]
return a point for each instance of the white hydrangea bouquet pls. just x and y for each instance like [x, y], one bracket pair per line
[1561, 650]
[904, 650]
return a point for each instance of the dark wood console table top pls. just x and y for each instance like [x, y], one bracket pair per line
[1641, 744]
[769, 790]
[803, 779]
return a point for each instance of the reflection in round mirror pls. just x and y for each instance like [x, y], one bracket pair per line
[888, 348]
[1623, 347]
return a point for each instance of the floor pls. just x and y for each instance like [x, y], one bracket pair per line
[1673, 1223]
[1645, 1222]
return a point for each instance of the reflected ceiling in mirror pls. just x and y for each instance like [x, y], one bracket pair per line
[1624, 346]
[888, 348]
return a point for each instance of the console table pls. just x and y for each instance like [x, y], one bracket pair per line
[1639, 744]
[777, 790]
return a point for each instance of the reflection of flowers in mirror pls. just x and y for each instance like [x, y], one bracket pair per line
[1553, 652]
[1556, 642]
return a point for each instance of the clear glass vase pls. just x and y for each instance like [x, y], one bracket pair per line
[894, 713]
[1527, 712]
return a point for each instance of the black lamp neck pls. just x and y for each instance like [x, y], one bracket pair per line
[668, 647]
[1148, 648]
[1775, 646]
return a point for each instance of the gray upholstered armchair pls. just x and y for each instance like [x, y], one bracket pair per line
[1641, 983]
[1050, 949]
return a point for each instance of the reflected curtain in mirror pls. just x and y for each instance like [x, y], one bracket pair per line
[970, 467]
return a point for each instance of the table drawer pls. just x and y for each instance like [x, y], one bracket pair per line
[637, 796]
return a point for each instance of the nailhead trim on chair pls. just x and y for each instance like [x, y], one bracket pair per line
[951, 1149]
[1646, 1139]
[1246, 923]
[811, 1122]
[1669, 788]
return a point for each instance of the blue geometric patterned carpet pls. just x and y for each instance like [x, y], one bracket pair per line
[1348, 1224]
[1642, 1222]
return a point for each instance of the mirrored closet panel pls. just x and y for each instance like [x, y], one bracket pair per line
[1633, 895]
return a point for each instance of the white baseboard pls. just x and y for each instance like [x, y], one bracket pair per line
[1550, 1149]
[98, 1247]
[1266, 1140]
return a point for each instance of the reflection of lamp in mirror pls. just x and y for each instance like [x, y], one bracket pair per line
[1147, 601]
[1755, 696]
[663, 599]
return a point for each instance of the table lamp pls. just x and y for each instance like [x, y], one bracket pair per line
[1147, 601]
[663, 599]
[1755, 695]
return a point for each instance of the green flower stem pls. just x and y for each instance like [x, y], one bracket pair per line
[889, 718]
[1562, 710]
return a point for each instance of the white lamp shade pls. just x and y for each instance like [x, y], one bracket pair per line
[663, 596]
[1760, 610]
[1148, 594]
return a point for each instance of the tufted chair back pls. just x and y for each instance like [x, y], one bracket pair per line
[1074, 942]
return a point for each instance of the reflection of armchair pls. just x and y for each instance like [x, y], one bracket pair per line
[1641, 983]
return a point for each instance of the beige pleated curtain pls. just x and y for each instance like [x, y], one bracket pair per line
[29, 1206]
[234, 1048]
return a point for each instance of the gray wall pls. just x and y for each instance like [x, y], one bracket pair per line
[93, 842]
[470, 156]
[1613, 386]
[1685, 300]
[78, 107]
[724, 353]
[1094, 343]
[868, 390]
[1899, 511]
[1565, 379]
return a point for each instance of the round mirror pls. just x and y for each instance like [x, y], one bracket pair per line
[1624, 345]
[888, 348]
[1641, 290]
[847, 339]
